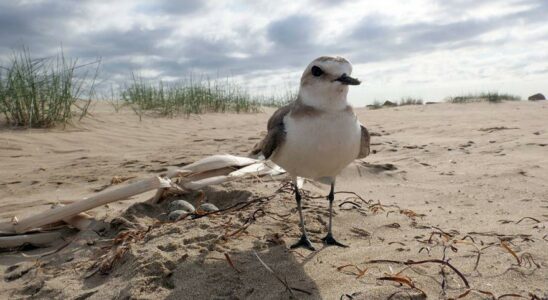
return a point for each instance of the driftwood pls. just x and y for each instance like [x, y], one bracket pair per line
[42, 239]
[199, 174]
[65, 212]
[80, 221]
[217, 169]
[215, 162]
[212, 170]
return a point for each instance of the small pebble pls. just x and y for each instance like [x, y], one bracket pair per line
[181, 205]
[176, 214]
[208, 207]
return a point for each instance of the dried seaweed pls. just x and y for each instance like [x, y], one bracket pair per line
[231, 263]
[411, 214]
[358, 275]
[496, 128]
[505, 246]
[425, 248]
[376, 208]
[505, 221]
[392, 225]
[528, 260]
[401, 279]
[252, 218]
[282, 281]
[411, 262]
[238, 206]
[350, 202]
[493, 296]
[360, 232]
[444, 281]
[121, 244]
[356, 195]
[530, 218]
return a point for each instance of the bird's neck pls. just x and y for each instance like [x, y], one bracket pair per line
[326, 100]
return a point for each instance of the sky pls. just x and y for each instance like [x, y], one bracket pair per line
[428, 49]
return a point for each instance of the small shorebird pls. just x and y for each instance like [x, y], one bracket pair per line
[318, 134]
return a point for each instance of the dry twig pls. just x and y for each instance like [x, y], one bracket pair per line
[231, 263]
[358, 275]
[411, 262]
[282, 281]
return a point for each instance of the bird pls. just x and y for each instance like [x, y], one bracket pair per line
[318, 134]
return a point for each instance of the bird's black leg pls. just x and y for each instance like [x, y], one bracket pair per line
[328, 239]
[303, 241]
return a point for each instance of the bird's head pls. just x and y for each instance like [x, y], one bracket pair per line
[325, 81]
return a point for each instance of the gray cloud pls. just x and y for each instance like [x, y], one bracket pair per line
[170, 7]
[135, 41]
[37, 25]
[292, 32]
[380, 41]
[292, 40]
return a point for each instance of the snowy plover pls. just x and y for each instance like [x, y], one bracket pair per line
[318, 134]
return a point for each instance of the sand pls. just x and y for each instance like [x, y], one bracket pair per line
[439, 175]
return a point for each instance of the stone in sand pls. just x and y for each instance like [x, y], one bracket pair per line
[175, 215]
[537, 97]
[208, 207]
[389, 103]
[181, 205]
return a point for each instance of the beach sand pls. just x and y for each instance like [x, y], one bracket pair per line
[444, 180]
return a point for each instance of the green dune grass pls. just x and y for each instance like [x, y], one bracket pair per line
[192, 96]
[45, 92]
[491, 97]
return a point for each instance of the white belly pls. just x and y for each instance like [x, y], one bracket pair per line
[319, 147]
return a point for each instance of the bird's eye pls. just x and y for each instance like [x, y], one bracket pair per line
[316, 71]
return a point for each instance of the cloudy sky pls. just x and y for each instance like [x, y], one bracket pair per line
[420, 48]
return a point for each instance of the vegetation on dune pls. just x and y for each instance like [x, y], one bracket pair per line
[403, 101]
[192, 96]
[376, 105]
[278, 100]
[45, 92]
[410, 101]
[491, 97]
[48, 91]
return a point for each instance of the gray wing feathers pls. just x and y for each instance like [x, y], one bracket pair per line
[277, 117]
[364, 145]
[273, 140]
[275, 135]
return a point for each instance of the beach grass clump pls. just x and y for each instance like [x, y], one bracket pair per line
[194, 96]
[410, 101]
[403, 101]
[113, 98]
[491, 97]
[376, 105]
[44, 92]
[277, 100]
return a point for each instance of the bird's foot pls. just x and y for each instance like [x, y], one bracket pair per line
[330, 241]
[303, 242]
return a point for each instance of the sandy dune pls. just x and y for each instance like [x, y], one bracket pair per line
[447, 178]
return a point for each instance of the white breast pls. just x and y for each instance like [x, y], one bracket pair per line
[319, 147]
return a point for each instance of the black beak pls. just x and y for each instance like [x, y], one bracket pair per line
[345, 79]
